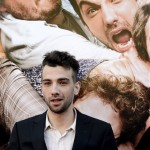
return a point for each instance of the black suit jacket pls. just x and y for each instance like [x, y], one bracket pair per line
[144, 143]
[91, 134]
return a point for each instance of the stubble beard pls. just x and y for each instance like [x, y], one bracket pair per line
[51, 14]
[60, 109]
[25, 13]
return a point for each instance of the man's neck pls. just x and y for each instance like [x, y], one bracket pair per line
[61, 121]
[59, 19]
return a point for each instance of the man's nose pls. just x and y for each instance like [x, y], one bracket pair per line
[54, 89]
[109, 15]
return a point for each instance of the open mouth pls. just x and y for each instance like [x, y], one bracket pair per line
[123, 40]
[56, 101]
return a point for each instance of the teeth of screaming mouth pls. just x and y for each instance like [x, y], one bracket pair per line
[123, 45]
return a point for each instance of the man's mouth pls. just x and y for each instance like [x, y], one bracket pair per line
[122, 37]
[122, 40]
[56, 101]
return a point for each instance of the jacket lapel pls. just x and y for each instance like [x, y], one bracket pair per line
[83, 127]
[38, 132]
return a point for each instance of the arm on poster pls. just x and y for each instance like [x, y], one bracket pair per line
[4, 130]
[15, 91]
[130, 65]
[20, 44]
[140, 68]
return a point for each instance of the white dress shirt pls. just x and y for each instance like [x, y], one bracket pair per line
[55, 140]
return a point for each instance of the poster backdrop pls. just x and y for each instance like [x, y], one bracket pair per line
[20, 95]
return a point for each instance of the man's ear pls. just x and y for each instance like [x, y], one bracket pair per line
[2, 8]
[77, 87]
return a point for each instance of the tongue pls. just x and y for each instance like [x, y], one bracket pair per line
[122, 37]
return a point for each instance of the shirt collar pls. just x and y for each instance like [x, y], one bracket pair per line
[49, 125]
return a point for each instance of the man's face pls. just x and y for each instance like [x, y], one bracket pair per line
[110, 20]
[147, 32]
[33, 9]
[95, 107]
[59, 88]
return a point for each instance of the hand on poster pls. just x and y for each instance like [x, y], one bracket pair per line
[140, 68]
[118, 67]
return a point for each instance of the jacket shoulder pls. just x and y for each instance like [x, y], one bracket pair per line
[91, 119]
[31, 119]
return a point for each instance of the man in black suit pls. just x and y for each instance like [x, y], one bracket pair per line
[62, 126]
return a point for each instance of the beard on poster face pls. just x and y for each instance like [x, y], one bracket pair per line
[52, 13]
[32, 10]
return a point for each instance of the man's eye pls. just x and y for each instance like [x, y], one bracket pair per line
[115, 1]
[63, 83]
[91, 11]
[46, 83]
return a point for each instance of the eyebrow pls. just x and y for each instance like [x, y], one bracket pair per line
[45, 80]
[84, 2]
[60, 79]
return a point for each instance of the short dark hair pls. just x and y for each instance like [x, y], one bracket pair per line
[64, 59]
[139, 36]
